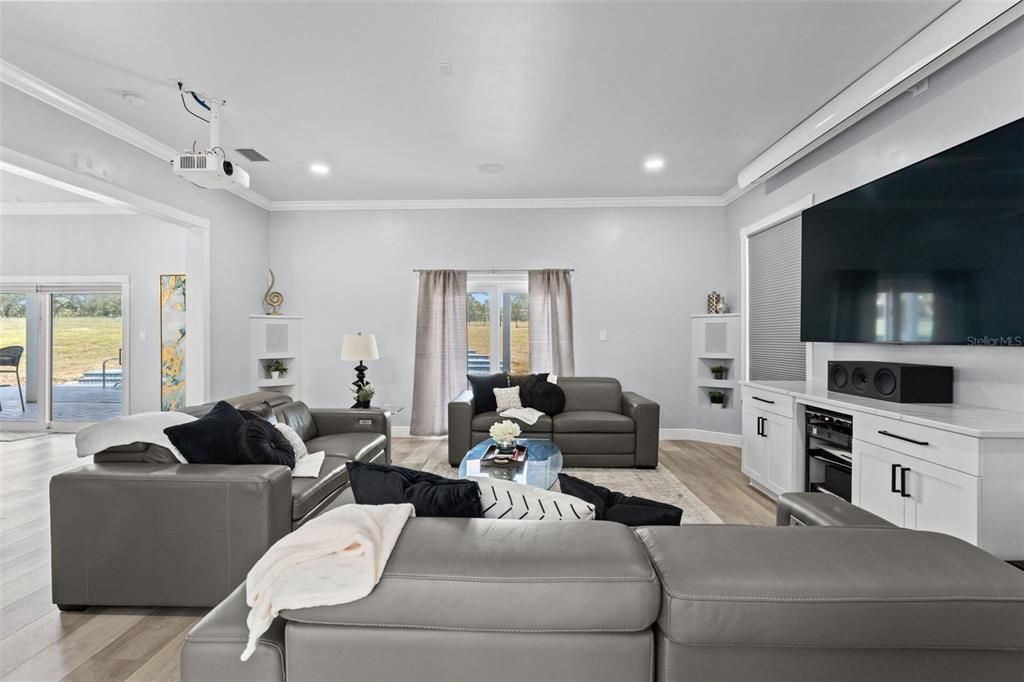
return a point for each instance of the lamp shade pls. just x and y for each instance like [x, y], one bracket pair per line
[359, 347]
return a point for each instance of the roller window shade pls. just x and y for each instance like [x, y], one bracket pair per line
[773, 327]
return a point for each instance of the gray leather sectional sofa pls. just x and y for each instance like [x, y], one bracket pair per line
[479, 599]
[601, 426]
[137, 528]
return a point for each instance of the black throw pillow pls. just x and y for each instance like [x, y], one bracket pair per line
[483, 386]
[527, 384]
[211, 439]
[549, 398]
[260, 442]
[430, 494]
[625, 509]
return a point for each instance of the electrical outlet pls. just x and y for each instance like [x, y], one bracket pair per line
[603, 336]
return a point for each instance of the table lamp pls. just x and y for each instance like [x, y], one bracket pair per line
[359, 347]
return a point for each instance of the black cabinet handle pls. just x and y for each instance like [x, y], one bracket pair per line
[903, 482]
[898, 437]
[759, 426]
[764, 426]
[763, 400]
[892, 478]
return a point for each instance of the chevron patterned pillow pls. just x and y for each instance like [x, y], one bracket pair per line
[510, 500]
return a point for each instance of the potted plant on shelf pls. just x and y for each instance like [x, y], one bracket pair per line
[717, 399]
[719, 372]
[277, 369]
[363, 394]
[504, 434]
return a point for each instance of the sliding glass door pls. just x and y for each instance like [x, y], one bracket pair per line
[497, 315]
[62, 355]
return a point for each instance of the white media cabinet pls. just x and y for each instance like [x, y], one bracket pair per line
[965, 464]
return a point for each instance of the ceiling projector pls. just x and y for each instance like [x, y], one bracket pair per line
[209, 169]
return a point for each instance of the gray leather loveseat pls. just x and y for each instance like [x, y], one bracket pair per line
[481, 599]
[137, 528]
[601, 426]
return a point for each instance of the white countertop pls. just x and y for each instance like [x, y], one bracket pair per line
[969, 420]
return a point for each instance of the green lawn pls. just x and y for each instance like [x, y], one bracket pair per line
[79, 343]
[480, 341]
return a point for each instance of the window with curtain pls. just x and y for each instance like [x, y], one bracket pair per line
[774, 349]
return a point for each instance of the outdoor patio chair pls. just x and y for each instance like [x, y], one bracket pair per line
[10, 357]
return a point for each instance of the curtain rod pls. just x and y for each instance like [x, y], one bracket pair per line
[497, 270]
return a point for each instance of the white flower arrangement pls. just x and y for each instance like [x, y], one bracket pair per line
[505, 432]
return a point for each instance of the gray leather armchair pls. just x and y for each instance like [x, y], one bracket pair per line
[137, 528]
[601, 426]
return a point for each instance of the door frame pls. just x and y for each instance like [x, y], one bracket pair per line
[197, 250]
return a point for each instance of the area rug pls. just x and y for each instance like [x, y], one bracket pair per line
[655, 484]
[11, 436]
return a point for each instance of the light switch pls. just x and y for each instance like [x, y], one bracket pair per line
[142, 335]
[603, 336]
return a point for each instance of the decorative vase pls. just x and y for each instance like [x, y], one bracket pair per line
[718, 406]
[363, 404]
[506, 447]
[718, 376]
[275, 375]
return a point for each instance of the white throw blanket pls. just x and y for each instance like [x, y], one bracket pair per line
[145, 427]
[527, 415]
[336, 558]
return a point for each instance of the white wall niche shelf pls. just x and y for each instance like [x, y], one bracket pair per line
[276, 337]
[715, 342]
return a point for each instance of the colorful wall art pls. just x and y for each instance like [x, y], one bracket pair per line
[172, 342]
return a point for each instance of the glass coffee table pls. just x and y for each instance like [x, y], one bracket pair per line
[541, 468]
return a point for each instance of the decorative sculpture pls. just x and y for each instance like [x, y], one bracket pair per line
[272, 300]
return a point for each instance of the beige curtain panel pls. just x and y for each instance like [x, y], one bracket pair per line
[441, 348]
[551, 346]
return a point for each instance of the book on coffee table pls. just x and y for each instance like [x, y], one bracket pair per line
[493, 456]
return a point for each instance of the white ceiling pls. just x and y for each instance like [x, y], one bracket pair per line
[569, 96]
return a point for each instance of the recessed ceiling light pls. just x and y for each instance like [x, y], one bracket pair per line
[319, 168]
[135, 99]
[490, 168]
[654, 164]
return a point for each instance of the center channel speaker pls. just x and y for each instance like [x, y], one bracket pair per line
[894, 381]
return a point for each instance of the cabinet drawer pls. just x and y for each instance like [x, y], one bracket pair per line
[944, 448]
[777, 403]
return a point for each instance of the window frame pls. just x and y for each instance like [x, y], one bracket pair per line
[496, 285]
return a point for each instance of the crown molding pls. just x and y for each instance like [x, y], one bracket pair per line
[58, 99]
[438, 204]
[61, 208]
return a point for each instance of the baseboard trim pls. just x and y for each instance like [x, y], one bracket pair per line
[399, 431]
[716, 437]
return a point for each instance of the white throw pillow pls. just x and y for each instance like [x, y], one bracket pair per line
[507, 398]
[503, 499]
[298, 446]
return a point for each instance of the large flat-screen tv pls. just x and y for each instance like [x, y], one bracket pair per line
[930, 254]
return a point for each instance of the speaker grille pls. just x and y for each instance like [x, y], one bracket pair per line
[885, 381]
[838, 377]
[859, 379]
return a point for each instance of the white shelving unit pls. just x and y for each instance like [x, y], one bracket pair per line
[276, 337]
[715, 341]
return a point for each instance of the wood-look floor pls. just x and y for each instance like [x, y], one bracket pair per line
[38, 642]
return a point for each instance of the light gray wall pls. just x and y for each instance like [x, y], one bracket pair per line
[238, 229]
[136, 246]
[979, 92]
[639, 275]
